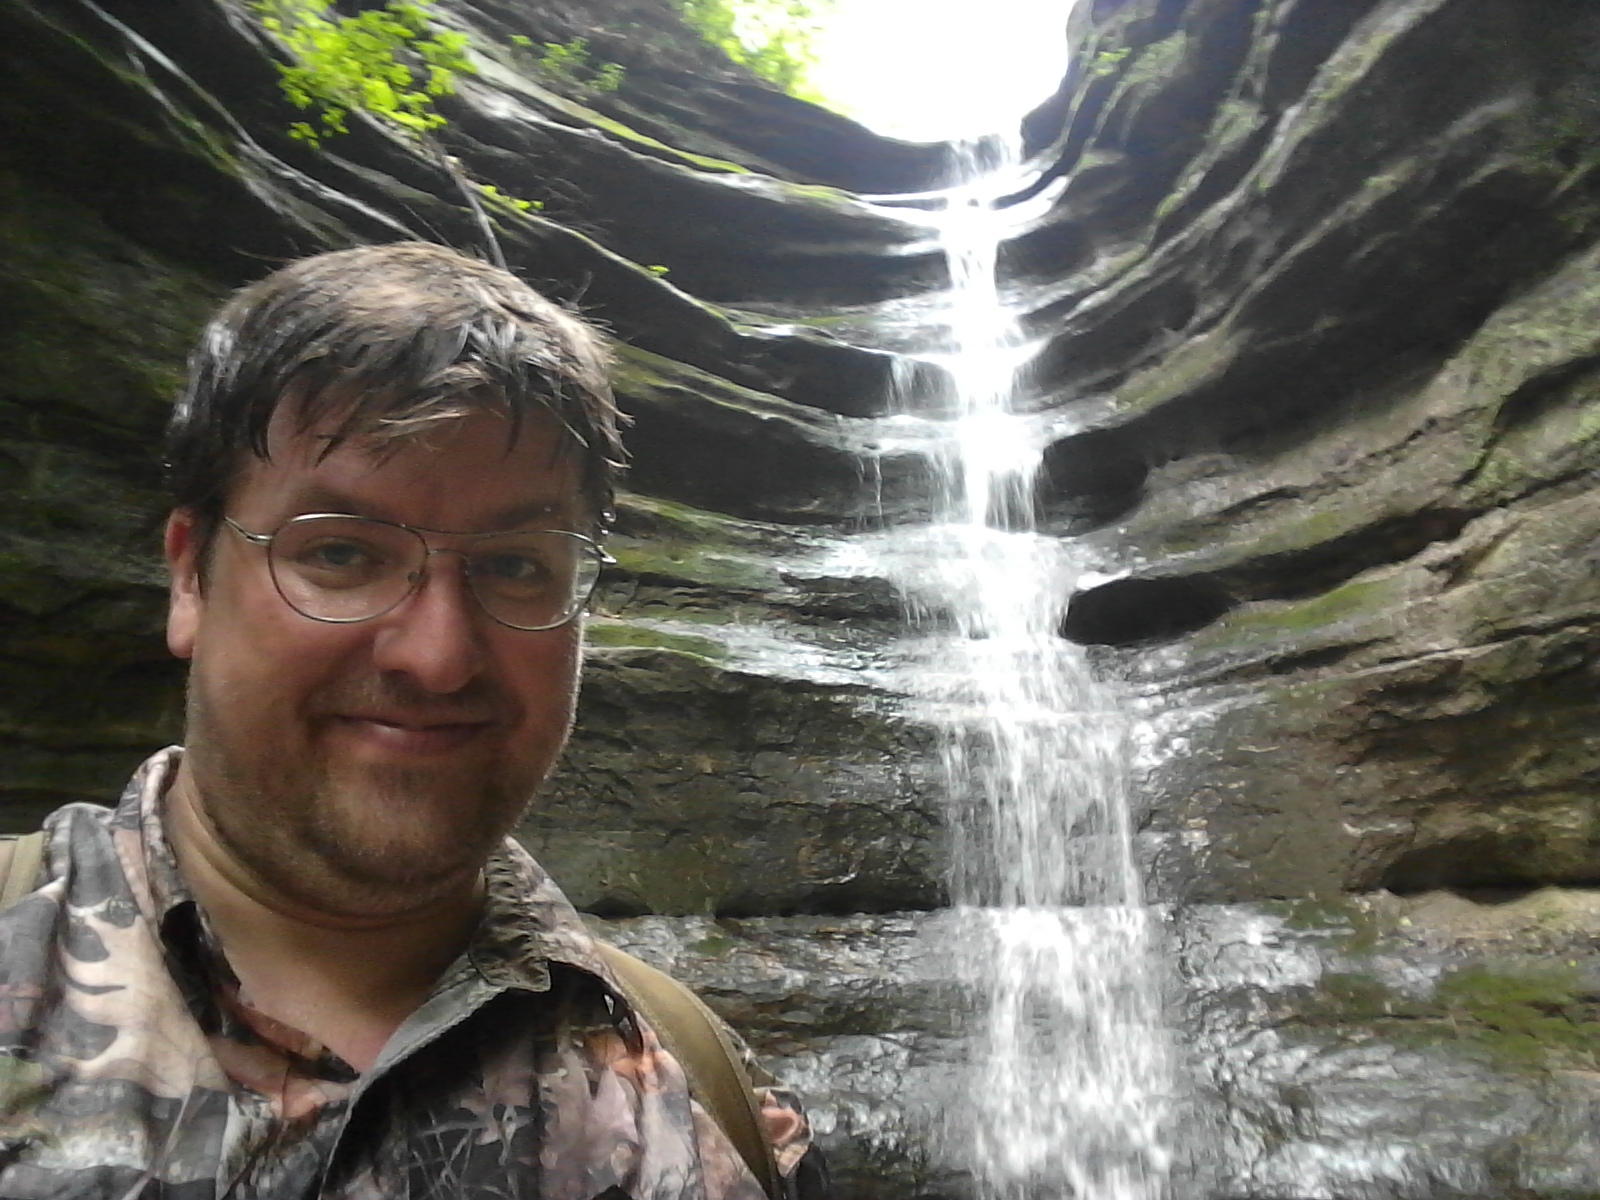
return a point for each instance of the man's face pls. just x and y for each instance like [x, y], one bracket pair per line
[366, 766]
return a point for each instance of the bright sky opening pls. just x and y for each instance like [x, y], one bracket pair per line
[932, 70]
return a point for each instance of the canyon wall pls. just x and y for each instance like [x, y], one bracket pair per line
[1317, 300]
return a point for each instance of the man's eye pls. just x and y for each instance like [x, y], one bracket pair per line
[338, 556]
[511, 568]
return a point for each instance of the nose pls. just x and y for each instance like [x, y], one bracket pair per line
[434, 637]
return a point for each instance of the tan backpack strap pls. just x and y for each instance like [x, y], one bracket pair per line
[20, 860]
[696, 1037]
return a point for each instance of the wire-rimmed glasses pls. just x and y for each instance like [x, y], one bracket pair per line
[341, 569]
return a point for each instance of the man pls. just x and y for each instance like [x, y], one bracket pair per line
[302, 957]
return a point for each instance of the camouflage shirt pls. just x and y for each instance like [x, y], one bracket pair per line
[131, 1066]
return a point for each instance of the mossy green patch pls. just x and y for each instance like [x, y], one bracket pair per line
[1355, 997]
[1560, 440]
[692, 564]
[637, 372]
[713, 945]
[655, 517]
[1354, 927]
[1157, 62]
[1331, 619]
[92, 321]
[1360, 1004]
[658, 149]
[1540, 1017]
[1196, 362]
[1357, 598]
[602, 631]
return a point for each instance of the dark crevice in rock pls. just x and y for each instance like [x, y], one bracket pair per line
[1545, 392]
[1169, 110]
[725, 238]
[1050, 251]
[798, 141]
[1311, 31]
[833, 900]
[616, 908]
[703, 459]
[1319, 568]
[1156, 107]
[1152, 608]
[1313, 660]
[1218, 181]
[1088, 479]
[701, 441]
[1504, 867]
[1128, 612]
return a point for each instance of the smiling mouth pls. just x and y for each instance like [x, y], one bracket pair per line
[400, 735]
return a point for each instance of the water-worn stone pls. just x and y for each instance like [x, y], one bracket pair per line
[859, 1013]
[1375, 1045]
[1331, 335]
[692, 788]
[1387, 1047]
[1320, 366]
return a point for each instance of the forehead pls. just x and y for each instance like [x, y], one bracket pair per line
[471, 473]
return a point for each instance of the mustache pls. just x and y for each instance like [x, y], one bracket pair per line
[397, 694]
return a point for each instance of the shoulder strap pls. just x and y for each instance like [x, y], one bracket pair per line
[20, 859]
[695, 1036]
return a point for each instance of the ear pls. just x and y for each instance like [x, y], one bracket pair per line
[185, 601]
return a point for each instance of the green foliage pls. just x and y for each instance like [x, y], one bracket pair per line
[568, 62]
[388, 62]
[495, 196]
[774, 38]
[565, 60]
[1107, 61]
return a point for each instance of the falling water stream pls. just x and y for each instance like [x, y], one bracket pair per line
[1071, 1074]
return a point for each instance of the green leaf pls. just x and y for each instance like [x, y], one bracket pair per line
[368, 62]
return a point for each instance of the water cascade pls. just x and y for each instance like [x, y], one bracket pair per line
[1071, 1074]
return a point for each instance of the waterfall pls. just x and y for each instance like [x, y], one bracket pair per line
[1071, 1076]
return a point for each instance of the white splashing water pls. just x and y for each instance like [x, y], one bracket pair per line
[1072, 1072]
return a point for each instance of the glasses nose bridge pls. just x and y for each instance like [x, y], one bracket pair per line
[419, 574]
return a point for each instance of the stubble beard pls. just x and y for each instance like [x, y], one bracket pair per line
[348, 838]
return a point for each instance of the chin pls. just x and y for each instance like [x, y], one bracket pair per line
[410, 828]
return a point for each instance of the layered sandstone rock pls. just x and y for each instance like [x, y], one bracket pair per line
[1318, 305]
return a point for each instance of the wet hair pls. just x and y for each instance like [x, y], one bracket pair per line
[380, 344]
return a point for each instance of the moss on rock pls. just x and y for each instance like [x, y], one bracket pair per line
[607, 633]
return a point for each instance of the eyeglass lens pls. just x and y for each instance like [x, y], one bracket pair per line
[352, 569]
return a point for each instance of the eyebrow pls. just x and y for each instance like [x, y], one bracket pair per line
[321, 498]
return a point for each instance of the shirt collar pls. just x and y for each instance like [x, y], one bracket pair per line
[527, 922]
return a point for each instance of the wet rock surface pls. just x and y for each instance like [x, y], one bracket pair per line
[1386, 1046]
[1320, 282]
[1372, 1045]
[690, 788]
[859, 1013]
[1317, 297]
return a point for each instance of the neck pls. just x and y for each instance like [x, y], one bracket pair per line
[347, 979]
